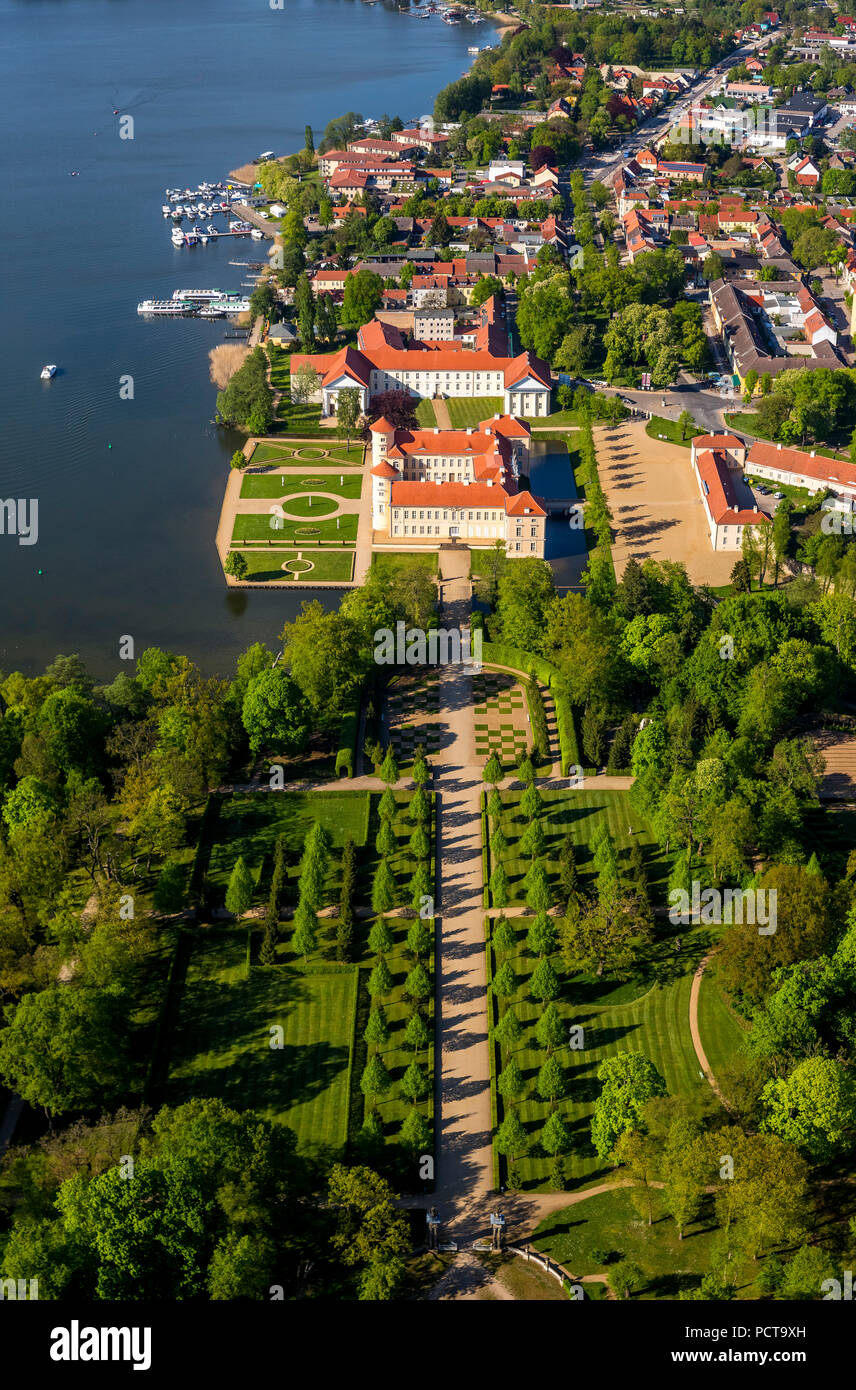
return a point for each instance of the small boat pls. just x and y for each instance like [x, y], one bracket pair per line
[177, 236]
[256, 234]
[212, 231]
[165, 209]
[472, 50]
[48, 371]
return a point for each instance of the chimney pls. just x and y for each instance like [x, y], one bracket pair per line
[811, 455]
[779, 447]
[469, 429]
[734, 507]
[436, 429]
[496, 417]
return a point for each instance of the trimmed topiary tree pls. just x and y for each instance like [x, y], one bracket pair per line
[239, 894]
[383, 887]
[544, 983]
[380, 980]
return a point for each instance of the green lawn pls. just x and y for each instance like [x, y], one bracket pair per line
[221, 1043]
[747, 421]
[658, 427]
[425, 414]
[650, 1012]
[310, 505]
[257, 527]
[273, 485]
[328, 566]
[326, 454]
[560, 418]
[720, 1032]
[395, 560]
[299, 419]
[611, 1223]
[248, 825]
[465, 410]
[580, 812]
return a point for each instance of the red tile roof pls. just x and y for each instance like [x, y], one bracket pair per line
[522, 503]
[720, 496]
[825, 470]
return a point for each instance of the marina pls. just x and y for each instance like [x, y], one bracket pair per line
[82, 314]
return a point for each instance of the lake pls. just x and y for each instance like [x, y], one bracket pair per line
[129, 490]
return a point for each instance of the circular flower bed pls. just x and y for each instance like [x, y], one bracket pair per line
[297, 566]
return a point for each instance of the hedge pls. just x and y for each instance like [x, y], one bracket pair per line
[538, 717]
[491, 1020]
[485, 862]
[350, 728]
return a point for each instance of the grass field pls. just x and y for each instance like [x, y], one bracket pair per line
[650, 1013]
[580, 812]
[273, 485]
[657, 427]
[309, 504]
[221, 1045]
[314, 1009]
[249, 825]
[328, 566]
[257, 527]
[719, 1030]
[391, 562]
[611, 1223]
[464, 410]
[425, 414]
[326, 454]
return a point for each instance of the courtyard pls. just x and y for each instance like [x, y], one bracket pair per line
[656, 506]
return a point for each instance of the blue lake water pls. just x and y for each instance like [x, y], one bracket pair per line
[126, 533]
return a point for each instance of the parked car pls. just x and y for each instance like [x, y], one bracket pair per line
[778, 496]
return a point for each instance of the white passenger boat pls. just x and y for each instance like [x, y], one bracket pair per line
[48, 371]
[163, 306]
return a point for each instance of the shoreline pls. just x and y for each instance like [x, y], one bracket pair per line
[245, 174]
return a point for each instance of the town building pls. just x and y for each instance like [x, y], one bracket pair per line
[717, 461]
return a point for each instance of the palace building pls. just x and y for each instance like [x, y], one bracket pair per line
[434, 485]
[380, 363]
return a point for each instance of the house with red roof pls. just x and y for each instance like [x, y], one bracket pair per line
[718, 461]
[807, 173]
[434, 485]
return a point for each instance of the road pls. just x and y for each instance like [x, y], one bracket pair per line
[707, 407]
[604, 167]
